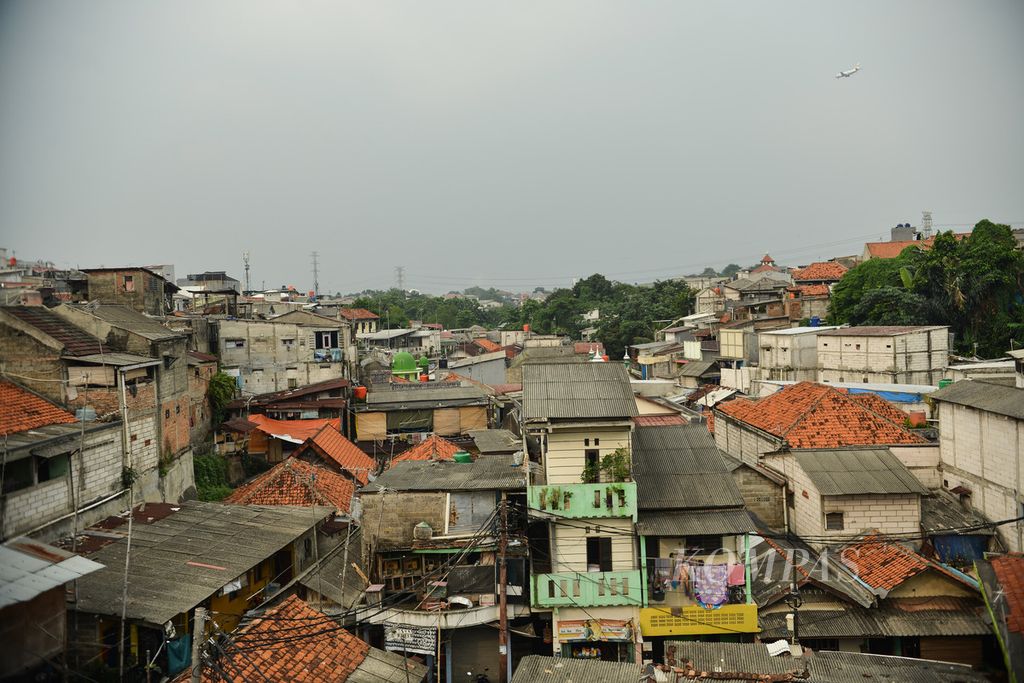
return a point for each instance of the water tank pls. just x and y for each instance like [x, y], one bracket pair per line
[462, 456]
[943, 383]
[815, 321]
[422, 532]
[359, 393]
[86, 414]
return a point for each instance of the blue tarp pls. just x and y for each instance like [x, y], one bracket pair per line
[179, 654]
[891, 396]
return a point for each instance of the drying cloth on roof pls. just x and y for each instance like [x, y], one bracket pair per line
[710, 583]
[737, 575]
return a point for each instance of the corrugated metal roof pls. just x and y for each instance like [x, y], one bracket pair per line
[496, 441]
[857, 471]
[184, 558]
[744, 659]
[697, 368]
[679, 467]
[125, 318]
[326, 578]
[981, 395]
[880, 330]
[29, 568]
[117, 359]
[577, 390]
[490, 473]
[887, 621]
[538, 669]
[76, 341]
[772, 572]
[942, 510]
[413, 398]
[694, 522]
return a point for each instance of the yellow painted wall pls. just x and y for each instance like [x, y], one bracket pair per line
[564, 459]
[569, 544]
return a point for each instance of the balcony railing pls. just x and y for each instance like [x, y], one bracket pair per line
[588, 589]
[580, 501]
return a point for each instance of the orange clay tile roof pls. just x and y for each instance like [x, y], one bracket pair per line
[710, 415]
[810, 290]
[21, 410]
[295, 430]
[1009, 570]
[829, 271]
[357, 314]
[487, 345]
[884, 564]
[296, 482]
[433, 448]
[766, 268]
[877, 404]
[334, 448]
[809, 415]
[894, 249]
[316, 649]
[658, 420]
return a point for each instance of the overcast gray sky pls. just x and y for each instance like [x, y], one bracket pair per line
[514, 144]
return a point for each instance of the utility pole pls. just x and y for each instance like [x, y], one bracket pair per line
[316, 275]
[129, 477]
[503, 594]
[198, 631]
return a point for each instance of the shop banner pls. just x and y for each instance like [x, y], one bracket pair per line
[401, 638]
[595, 629]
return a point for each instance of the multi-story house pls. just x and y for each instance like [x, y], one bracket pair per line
[138, 288]
[981, 445]
[885, 354]
[275, 355]
[361, 320]
[141, 375]
[789, 354]
[586, 566]
[693, 535]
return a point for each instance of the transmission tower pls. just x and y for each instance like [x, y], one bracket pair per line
[926, 223]
[245, 260]
[400, 277]
[316, 275]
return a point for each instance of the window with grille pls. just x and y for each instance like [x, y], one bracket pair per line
[834, 521]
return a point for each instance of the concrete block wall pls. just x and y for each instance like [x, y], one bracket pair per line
[740, 442]
[569, 544]
[922, 461]
[889, 514]
[762, 496]
[984, 452]
[389, 517]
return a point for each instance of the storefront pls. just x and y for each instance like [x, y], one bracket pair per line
[609, 640]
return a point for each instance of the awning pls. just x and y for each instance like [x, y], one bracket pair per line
[694, 522]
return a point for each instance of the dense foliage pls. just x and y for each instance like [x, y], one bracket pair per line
[629, 314]
[975, 285]
[211, 473]
[219, 392]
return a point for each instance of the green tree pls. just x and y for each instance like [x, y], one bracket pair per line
[220, 391]
[709, 272]
[891, 306]
[730, 270]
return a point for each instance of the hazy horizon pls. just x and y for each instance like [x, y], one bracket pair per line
[494, 144]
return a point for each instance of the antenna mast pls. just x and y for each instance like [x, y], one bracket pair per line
[926, 223]
[316, 276]
[400, 277]
[245, 261]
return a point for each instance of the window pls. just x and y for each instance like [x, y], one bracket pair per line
[27, 472]
[234, 343]
[327, 340]
[593, 462]
[288, 343]
[586, 442]
[293, 383]
[599, 554]
[834, 521]
[790, 499]
[597, 442]
[857, 346]
[703, 545]
[129, 283]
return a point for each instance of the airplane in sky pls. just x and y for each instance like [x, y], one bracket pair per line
[847, 74]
